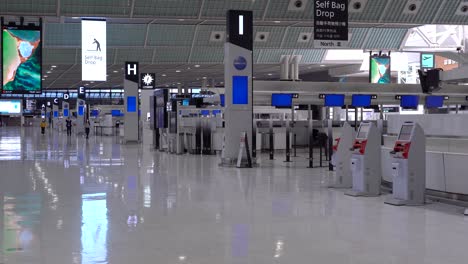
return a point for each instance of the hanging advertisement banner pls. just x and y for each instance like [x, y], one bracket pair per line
[93, 50]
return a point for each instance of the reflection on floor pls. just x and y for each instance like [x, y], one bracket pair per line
[68, 200]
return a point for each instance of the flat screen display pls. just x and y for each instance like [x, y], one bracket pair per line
[363, 130]
[205, 112]
[216, 112]
[131, 104]
[56, 114]
[334, 100]
[281, 100]
[115, 113]
[94, 113]
[379, 69]
[405, 133]
[10, 107]
[186, 102]
[240, 90]
[22, 60]
[360, 100]
[66, 113]
[409, 101]
[80, 110]
[434, 101]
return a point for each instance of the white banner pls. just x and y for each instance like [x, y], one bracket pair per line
[93, 50]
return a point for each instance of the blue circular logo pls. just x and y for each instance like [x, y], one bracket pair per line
[240, 63]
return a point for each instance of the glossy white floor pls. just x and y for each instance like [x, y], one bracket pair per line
[68, 200]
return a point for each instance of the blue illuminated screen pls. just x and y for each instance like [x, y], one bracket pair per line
[65, 112]
[216, 112]
[80, 110]
[434, 101]
[115, 113]
[409, 101]
[240, 90]
[281, 100]
[56, 114]
[131, 104]
[94, 113]
[205, 112]
[360, 100]
[186, 102]
[334, 100]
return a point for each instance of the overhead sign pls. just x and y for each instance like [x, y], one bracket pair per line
[82, 93]
[331, 23]
[427, 61]
[56, 101]
[131, 71]
[148, 81]
[66, 96]
[49, 104]
[93, 50]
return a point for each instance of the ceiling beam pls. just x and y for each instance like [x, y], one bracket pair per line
[147, 31]
[132, 8]
[265, 12]
[194, 39]
[58, 7]
[200, 12]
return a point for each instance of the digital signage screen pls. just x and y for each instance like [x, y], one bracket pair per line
[379, 69]
[409, 101]
[21, 60]
[360, 100]
[434, 101]
[281, 100]
[93, 50]
[334, 100]
[8, 107]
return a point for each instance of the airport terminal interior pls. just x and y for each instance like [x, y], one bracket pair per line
[237, 132]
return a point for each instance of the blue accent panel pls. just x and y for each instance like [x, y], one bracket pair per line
[334, 100]
[361, 100]
[131, 104]
[409, 101]
[434, 101]
[80, 110]
[240, 90]
[281, 100]
[65, 113]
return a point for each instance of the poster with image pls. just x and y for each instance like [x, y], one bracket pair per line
[379, 70]
[21, 60]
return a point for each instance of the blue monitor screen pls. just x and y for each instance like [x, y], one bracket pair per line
[240, 90]
[56, 114]
[115, 113]
[216, 112]
[80, 110]
[281, 100]
[131, 104]
[360, 100]
[205, 112]
[409, 101]
[94, 113]
[186, 102]
[65, 113]
[434, 101]
[222, 98]
[334, 100]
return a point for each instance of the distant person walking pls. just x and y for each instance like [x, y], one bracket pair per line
[87, 128]
[43, 126]
[69, 126]
[98, 45]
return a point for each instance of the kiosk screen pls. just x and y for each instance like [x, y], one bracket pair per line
[405, 133]
[363, 130]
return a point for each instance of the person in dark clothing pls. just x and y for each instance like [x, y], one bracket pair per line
[69, 126]
[87, 128]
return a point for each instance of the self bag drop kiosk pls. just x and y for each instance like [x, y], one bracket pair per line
[409, 166]
[365, 162]
[342, 154]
